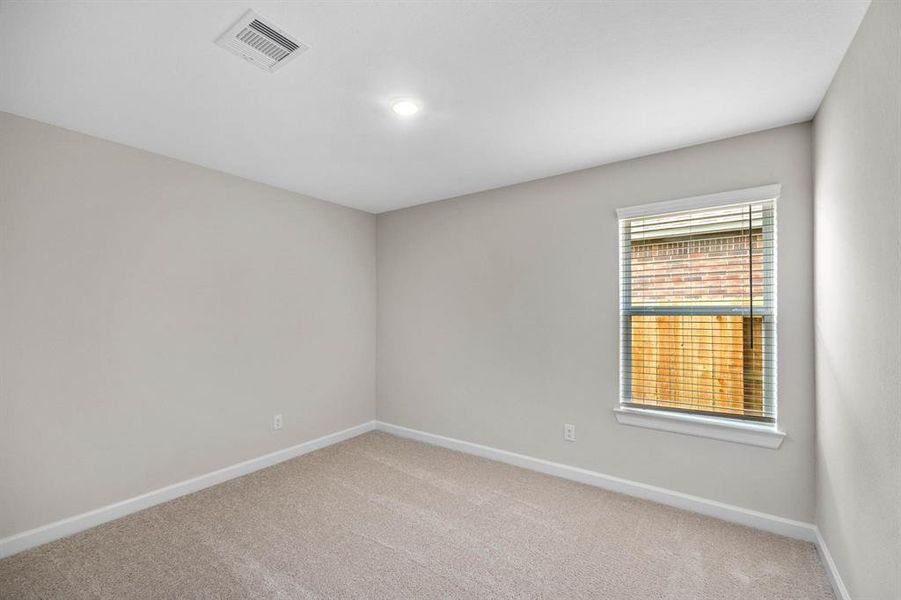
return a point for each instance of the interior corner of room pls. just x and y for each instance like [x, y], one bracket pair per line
[352, 300]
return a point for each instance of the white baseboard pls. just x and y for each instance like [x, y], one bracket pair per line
[727, 512]
[838, 586]
[47, 533]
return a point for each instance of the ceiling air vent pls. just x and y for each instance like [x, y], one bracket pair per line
[259, 42]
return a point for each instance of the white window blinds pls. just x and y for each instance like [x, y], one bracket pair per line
[698, 307]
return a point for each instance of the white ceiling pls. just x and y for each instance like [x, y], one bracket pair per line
[510, 91]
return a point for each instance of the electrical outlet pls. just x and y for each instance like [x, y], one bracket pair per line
[277, 422]
[569, 433]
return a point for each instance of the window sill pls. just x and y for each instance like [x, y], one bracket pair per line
[752, 434]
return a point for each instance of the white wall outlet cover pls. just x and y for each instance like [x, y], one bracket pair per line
[277, 422]
[569, 432]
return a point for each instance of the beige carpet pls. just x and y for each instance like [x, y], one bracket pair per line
[383, 517]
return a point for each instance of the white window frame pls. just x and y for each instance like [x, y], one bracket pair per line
[719, 428]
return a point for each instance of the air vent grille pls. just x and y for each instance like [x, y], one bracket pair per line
[260, 43]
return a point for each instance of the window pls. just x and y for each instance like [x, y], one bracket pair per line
[698, 306]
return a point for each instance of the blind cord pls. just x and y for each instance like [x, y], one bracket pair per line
[751, 275]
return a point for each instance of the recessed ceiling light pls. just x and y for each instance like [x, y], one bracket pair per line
[405, 107]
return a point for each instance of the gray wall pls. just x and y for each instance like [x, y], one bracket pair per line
[498, 321]
[858, 297]
[154, 315]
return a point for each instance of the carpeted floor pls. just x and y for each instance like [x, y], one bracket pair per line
[384, 517]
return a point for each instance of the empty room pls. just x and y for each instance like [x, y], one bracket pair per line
[450, 299]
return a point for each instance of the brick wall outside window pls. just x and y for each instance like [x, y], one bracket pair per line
[703, 270]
